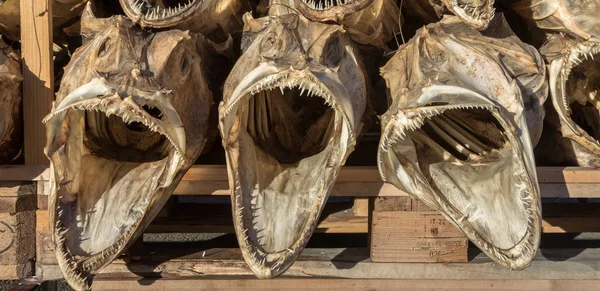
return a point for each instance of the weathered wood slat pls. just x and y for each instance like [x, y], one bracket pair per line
[353, 181]
[211, 218]
[348, 174]
[550, 264]
[38, 76]
[249, 283]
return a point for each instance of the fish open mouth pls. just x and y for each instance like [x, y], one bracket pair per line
[112, 159]
[467, 161]
[475, 13]
[580, 89]
[286, 139]
[330, 10]
[162, 13]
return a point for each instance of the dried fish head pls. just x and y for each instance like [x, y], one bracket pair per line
[577, 18]
[371, 22]
[457, 135]
[130, 118]
[293, 107]
[216, 19]
[574, 77]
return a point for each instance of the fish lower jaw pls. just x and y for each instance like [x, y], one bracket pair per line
[78, 271]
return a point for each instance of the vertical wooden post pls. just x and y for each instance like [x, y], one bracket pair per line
[38, 75]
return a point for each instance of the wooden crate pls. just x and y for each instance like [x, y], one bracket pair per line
[407, 230]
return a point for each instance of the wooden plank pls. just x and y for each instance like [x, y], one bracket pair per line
[413, 224]
[418, 250]
[360, 206]
[399, 204]
[546, 175]
[249, 283]
[24, 173]
[211, 218]
[38, 76]
[365, 189]
[549, 264]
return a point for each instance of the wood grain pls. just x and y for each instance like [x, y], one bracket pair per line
[249, 283]
[38, 76]
[353, 181]
[549, 264]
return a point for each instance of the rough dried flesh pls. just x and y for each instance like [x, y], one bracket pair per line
[130, 118]
[10, 104]
[292, 109]
[457, 133]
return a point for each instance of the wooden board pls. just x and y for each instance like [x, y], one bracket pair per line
[353, 181]
[218, 173]
[207, 218]
[38, 75]
[361, 206]
[418, 250]
[249, 283]
[549, 264]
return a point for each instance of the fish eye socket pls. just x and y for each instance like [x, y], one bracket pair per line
[270, 45]
[185, 64]
[104, 47]
[333, 51]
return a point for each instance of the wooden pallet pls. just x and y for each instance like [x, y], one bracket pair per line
[426, 238]
[412, 240]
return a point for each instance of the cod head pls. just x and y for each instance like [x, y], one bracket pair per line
[577, 18]
[573, 122]
[457, 135]
[213, 18]
[291, 114]
[131, 116]
[370, 22]
[11, 135]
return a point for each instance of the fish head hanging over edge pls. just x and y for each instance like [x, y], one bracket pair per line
[574, 113]
[130, 118]
[577, 18]
[293, 107]
[456, 135]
